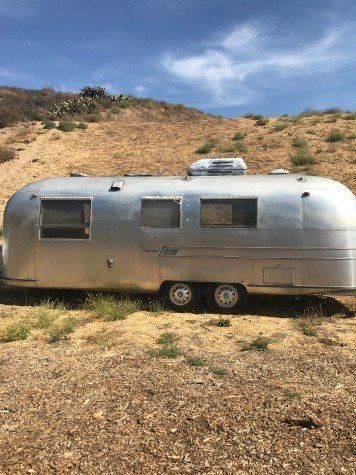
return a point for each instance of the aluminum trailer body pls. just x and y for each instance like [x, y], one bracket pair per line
[299, 239]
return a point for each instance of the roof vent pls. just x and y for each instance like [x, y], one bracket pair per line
[217, 166]
[76, 175]
[279, 171]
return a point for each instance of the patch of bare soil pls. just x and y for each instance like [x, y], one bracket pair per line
[85, 406]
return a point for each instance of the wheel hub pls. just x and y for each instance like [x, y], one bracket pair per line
[226, 296]
[180, 294]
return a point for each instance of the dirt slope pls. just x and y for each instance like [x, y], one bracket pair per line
[129, 144]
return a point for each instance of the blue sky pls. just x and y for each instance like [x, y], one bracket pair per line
[223, 56]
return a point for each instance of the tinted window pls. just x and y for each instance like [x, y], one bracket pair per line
[229, 212]
[160, 213]
[65, 219]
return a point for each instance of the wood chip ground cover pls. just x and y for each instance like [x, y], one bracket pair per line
[78, 407]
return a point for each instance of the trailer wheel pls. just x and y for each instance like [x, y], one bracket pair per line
[226, 298]
[181, 296]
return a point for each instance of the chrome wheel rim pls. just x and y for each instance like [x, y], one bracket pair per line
[226, 295]
[180, 294]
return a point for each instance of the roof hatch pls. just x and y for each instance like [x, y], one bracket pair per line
[217, 166]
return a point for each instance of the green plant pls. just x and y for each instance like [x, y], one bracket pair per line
[298, 142]
[350, 116]
[259, 343]
[45, 314]
[170, 352]
[307, 329]
[207, 146]
[196, 361]
[82, 126]
[223, 322]
[155, 307]
[116, 110]
[60, 330]
[303, 157]
[335, 136]
[66, 126]
[95, 92]
[110, 307]
[218, 371]
[239, 136]
[167, 338]
[104, 339]
[240, 146]
[16, 331]
[49, 124]
[262, 121]
[280, 126]
[76, 105]
[6, 154]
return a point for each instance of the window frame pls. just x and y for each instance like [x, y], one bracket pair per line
[178, 199]
[65, 198]
[224, 198]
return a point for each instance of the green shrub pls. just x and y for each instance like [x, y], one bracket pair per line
[60, 330]
[110, 307]
[95, 92]
[16, 331]
[224, 322]
[259, 343]
[240, 146]
[196, 361]
[156, 307]
[49, 124]
[170, 352]
[350, 116]
[280, 126]
[116, 110]
[298, 142]
[124, 104]
[207, 146]
[102, 338]
[82, 125]
[66, 126]
[77, 105]
[218, 371]
[303, 157]
[167, 338]
[335, 136]
[45, 314]
[6, 154]
[262, 121]
[239, 136]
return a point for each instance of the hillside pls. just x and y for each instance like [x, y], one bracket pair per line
[131, 142]
[148, 391]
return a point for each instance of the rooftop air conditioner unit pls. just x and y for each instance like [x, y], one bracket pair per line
[217, 167]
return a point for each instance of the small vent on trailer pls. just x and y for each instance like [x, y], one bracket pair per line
[217, 166]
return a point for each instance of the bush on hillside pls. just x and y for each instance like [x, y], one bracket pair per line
[335, 136]
[80, 105]
[262, 121]
[49, 124]
[95, 92]
[6, 154]
[303, 157]
[66, 126]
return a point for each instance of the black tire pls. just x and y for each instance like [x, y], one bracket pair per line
[181, 296]
[226, 298]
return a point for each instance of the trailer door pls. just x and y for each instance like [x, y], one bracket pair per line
[64, 243]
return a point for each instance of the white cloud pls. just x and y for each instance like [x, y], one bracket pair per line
[248, 59]
[141, 90]
[13, 75]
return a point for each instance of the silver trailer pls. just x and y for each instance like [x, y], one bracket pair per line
[215, 231]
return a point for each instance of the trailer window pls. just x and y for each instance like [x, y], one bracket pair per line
[160, 213]
[65, 219]
[229, 212]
